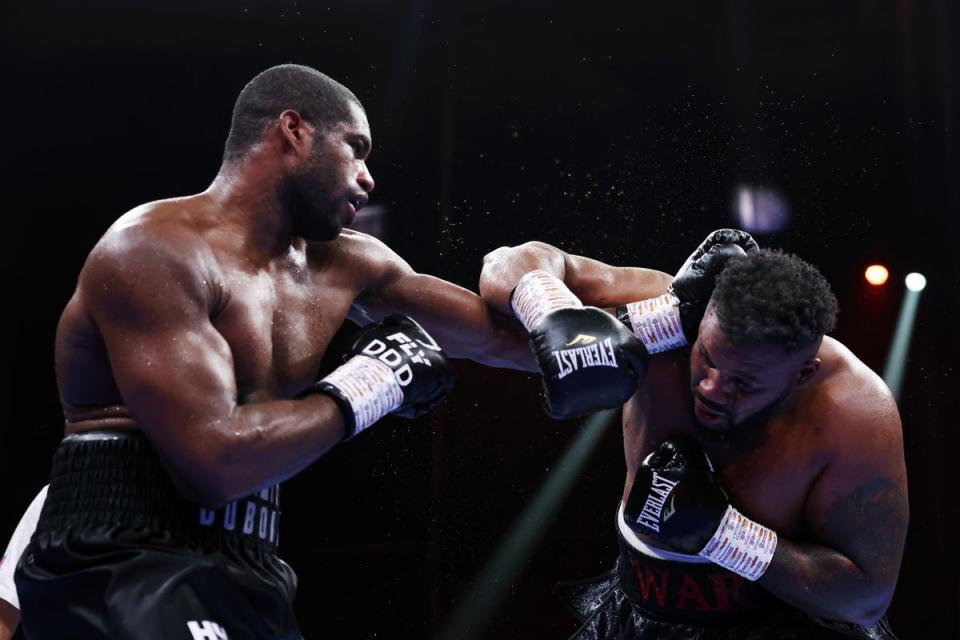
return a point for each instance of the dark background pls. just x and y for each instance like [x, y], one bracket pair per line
[620, 131]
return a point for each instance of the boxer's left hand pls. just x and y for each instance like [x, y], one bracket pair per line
[676, 500]
[589, 361]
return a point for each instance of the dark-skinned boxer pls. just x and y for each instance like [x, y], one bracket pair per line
[187, 364]
[765, 492]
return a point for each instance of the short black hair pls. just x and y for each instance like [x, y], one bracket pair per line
[773, 297]
[321, 100]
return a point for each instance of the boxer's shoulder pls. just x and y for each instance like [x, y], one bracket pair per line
[358, 255]
[851, 407]
[151, 246]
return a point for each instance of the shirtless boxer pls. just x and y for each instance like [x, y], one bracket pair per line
[765, 493]
[187, 364]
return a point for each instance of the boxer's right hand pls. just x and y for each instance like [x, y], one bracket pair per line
[671, 321]
[394, 366]
[693, 285]
[588, 359]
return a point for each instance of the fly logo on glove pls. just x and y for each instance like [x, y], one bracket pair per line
[394, 366]
[401, 362]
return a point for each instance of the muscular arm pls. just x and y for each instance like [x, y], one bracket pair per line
[152, 299]
[857, 512]
[593, 282]
[456, 317]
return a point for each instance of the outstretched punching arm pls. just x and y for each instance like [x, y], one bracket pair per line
[459, 320]
[593, 282]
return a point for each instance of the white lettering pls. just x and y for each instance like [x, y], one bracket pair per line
[404, 375]
[249, 517]
[230, 516]
[206, 630]
[375, 348]
[264, 516]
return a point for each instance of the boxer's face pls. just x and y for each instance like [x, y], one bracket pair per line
[325, 191]
[734, 384]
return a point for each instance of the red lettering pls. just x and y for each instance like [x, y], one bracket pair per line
[728, 590]
[690, 591]
[647, 581]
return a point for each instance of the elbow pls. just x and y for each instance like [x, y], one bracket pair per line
[204, 479]
[203, 490]
[868, 612]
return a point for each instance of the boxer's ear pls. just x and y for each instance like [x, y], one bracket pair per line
[808, 370]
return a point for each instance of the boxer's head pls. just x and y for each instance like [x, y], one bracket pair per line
[759, 338]
[320, 130]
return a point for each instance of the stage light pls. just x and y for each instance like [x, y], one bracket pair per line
[896, 367]
[876, 274]
[760, 209]
[916, 281]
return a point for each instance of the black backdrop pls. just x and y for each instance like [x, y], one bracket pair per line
[620, 131]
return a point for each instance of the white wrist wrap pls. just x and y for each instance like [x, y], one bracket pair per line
[656, 321]
[741, 545]
[369, 386]
[539, 293]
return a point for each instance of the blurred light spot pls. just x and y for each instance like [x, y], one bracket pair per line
[877, 274]
[916, 281]
[760, 210]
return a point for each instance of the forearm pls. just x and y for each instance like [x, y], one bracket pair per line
[825, 583]
[259, 445]
[504, 267]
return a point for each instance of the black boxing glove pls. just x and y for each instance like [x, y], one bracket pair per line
[394, 366]
[672, 320]
[677, 501]
[693, 285]
[588, 360]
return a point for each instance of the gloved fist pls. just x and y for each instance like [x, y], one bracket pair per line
[588, 359]
[693, 285]
[675, 498]
[394, 366]
[677, 501]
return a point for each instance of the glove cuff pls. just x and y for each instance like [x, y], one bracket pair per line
[741, 545]
[537, 294]
[365, 389]
[656, 321]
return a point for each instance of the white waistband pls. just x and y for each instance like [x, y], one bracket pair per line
[641, 546]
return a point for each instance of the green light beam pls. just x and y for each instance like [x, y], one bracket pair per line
[488, 591]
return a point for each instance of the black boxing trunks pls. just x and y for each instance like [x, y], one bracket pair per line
[651, 594]
[118, 553]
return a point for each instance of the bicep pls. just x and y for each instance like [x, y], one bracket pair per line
[859, 507]
[173, 369]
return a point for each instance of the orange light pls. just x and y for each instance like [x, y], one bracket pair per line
[877, 274]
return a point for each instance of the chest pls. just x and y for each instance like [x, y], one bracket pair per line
[767, 477]
[278, 324]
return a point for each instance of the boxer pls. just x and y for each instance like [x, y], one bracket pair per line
[765, 492]
[187, 363]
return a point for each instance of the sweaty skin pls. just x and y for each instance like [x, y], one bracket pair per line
[198, 320]
[826, 471]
